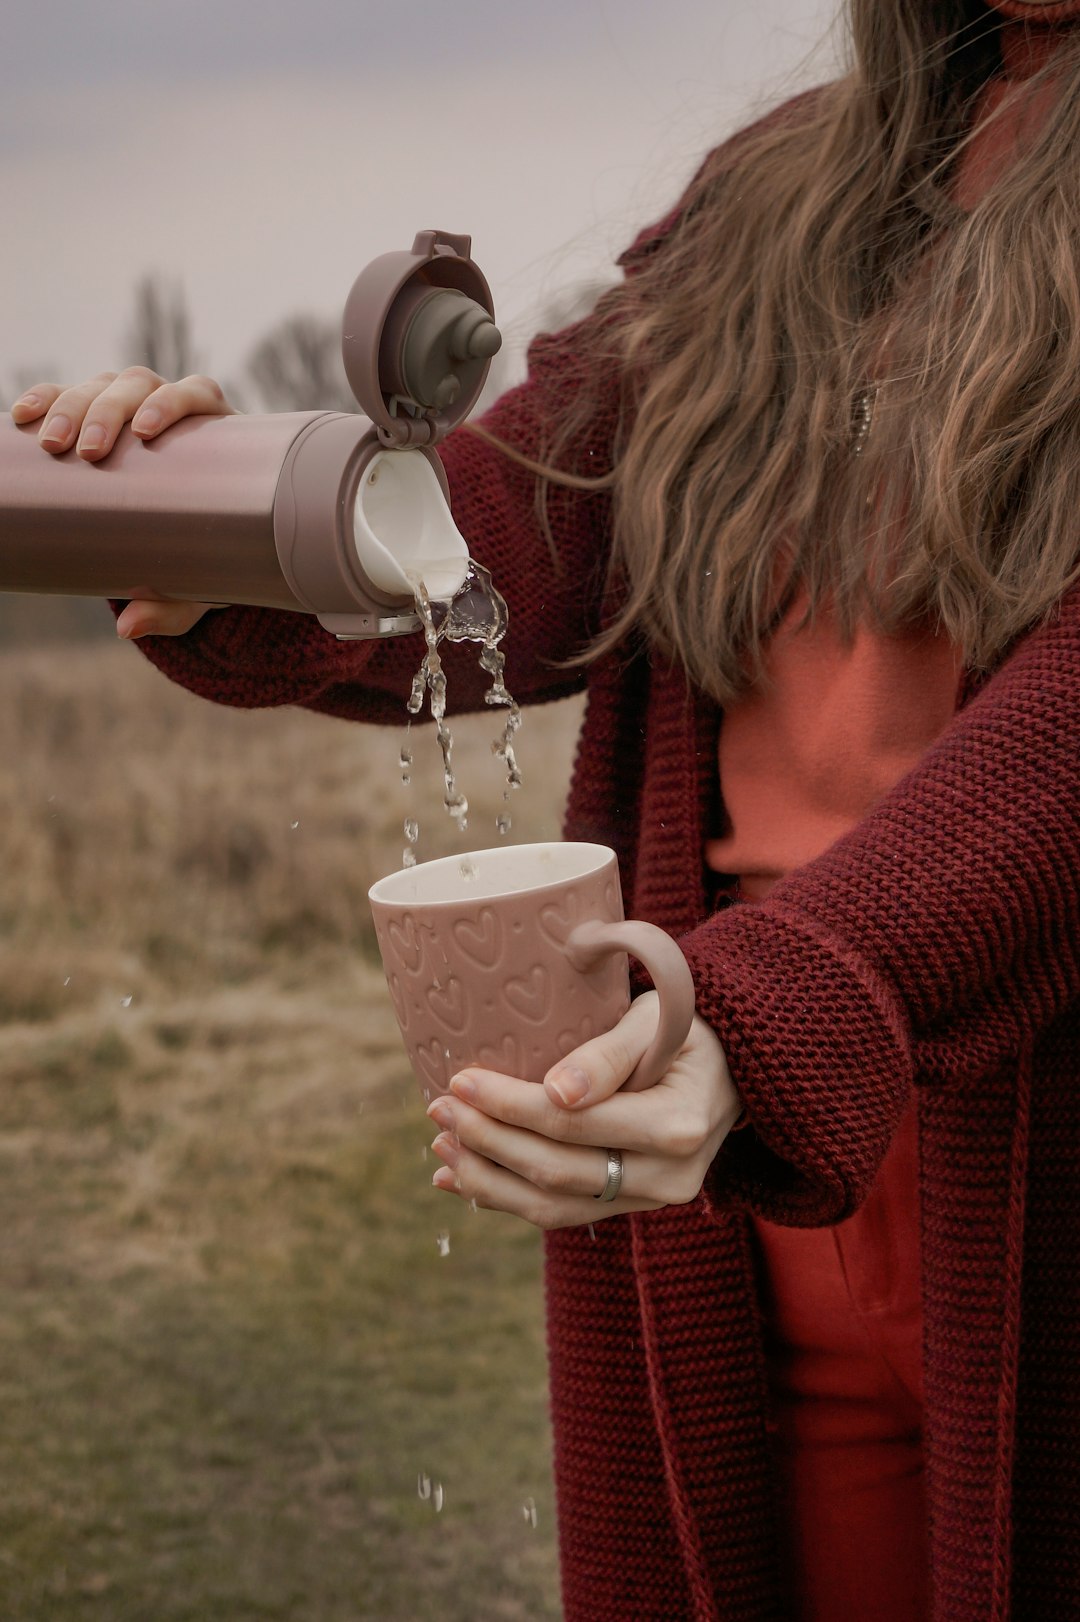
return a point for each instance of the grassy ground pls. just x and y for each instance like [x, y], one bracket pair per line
[251, 1364]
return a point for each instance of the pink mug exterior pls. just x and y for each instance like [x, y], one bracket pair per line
[510, 958]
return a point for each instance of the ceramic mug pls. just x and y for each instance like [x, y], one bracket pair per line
[512, 957]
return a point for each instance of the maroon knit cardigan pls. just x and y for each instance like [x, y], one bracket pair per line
[935, 948]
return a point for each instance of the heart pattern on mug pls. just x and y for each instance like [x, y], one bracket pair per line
[493, 983]
[567, 1041]
[480, 939]
[529, 994]
[405, 941]
[430, 1060]
[399, 1000]
[449, 1003]
[557, 920]
[506, 1057]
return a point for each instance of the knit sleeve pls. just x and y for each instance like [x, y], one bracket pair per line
[926, 948]
[253, 657]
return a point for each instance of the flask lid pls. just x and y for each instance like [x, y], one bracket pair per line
[418, 337]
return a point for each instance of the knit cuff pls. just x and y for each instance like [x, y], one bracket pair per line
[820, 1053]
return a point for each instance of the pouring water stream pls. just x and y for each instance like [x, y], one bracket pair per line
[476, 613]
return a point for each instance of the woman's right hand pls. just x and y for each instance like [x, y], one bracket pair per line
[90, 416]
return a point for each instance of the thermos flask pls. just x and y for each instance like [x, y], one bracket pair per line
[321, 512]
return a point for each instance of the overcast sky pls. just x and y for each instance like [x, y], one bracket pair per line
[262, 151]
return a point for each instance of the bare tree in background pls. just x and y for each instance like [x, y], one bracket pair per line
[160, 333]
[298, 367]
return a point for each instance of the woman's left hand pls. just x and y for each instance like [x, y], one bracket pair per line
[541, 1152]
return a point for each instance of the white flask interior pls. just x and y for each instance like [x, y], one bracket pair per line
[403, 528]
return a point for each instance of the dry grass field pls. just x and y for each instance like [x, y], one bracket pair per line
[241, 1375]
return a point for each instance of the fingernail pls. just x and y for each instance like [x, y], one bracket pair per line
[28, 400]
[444, 1178]
[441, 1113]
[92, 438]
[447, 1148]
[569, 1084]
[463, 1087]
[147, 421]
[57, 432]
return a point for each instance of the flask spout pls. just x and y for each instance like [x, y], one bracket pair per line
[403, 528]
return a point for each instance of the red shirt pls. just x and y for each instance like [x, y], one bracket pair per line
[803, 759]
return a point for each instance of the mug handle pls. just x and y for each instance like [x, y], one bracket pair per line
[591, 942]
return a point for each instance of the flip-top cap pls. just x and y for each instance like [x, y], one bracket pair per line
[418, 338]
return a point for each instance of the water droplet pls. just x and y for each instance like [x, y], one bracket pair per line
[443, 1242]
[67, 982]
[408, 857]
[437, 1497]
[592, 1231]
[468, 869]
[423, 1486]
[295, 825]
[458, 807]
[503, 823]
[473, 1207]
[125, 1002]
[412, 830]
[528, 1511]
[423, 1152]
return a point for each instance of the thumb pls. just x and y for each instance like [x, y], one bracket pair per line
[158, 616]
[600, 1066]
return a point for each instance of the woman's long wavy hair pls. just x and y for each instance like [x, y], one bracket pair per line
[823, 253]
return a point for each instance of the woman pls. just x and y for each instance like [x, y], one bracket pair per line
[825, 437]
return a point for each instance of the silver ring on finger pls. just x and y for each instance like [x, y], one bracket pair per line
[611, 1188]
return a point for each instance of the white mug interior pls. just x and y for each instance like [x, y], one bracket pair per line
[481, 875]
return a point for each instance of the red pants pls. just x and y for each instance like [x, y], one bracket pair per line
[843, 1337]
